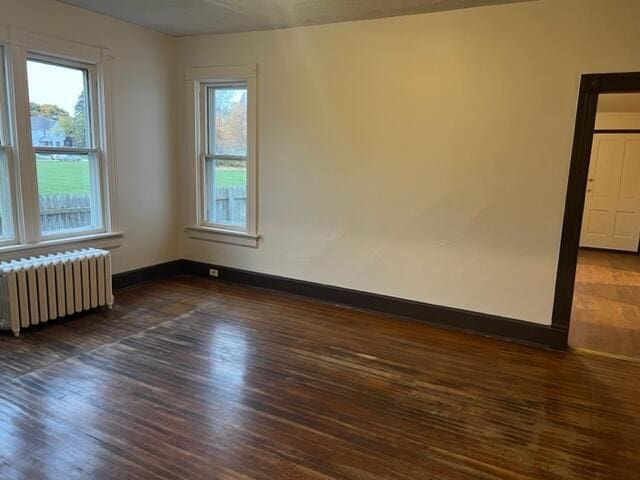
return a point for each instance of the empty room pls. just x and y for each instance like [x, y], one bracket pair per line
[319, 239]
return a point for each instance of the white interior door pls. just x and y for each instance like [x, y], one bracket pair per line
[611, 217]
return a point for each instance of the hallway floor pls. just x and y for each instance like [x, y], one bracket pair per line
[606, 304]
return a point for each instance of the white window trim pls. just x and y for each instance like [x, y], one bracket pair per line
[107, 241]
[6, 129]
[5, 34]
[223, 236]
[18, 46]
[9, 152]
[196, 79]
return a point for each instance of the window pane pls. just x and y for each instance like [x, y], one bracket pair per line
[58, 104]
[227, 120]
[69, 197]
[227, 192]
[6, 220]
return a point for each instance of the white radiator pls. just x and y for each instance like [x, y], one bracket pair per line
[38, 289]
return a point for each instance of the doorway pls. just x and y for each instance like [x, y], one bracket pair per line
[598, 284]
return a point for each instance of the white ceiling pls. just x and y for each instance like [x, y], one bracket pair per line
[191, 17]
[619, 102]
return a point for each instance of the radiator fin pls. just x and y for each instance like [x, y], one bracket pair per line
[43, 301]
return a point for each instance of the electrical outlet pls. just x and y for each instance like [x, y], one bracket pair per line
[213, 272]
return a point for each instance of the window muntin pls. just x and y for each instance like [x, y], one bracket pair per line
[6, 211]
[64, 143]
[225, 159]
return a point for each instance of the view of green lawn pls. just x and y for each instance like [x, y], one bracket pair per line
[56, 177]
[230, 177]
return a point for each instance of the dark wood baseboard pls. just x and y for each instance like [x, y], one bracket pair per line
[147, 274]
[474, 322]
[485, 324]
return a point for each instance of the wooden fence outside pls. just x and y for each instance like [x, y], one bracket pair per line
[73, 211]
[231, 205]
[67, 211]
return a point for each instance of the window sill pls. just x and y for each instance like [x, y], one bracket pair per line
[223, 236]
[107, 241]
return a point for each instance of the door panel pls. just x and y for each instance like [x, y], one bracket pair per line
[630, 180]
[623, 224]
[598, 222]
[605, 167]
[611, 217]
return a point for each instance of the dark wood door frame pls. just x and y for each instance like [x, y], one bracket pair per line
[591, 86]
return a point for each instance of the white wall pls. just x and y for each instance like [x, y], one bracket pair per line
[424, 157]
[143, 120]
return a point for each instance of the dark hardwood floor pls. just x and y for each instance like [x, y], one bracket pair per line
[195, 379]
[606, 304]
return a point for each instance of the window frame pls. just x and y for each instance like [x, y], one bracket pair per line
[207, 155]
[199, 79]
[92, 150]
[19, 46]
[5, 135]
[7, 139]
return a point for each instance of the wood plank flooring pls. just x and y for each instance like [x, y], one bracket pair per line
[191, 378]
[606, 304]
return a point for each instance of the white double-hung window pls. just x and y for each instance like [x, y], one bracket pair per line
[55, 171]
[225, 154]
[62, 106]
[224, 149]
